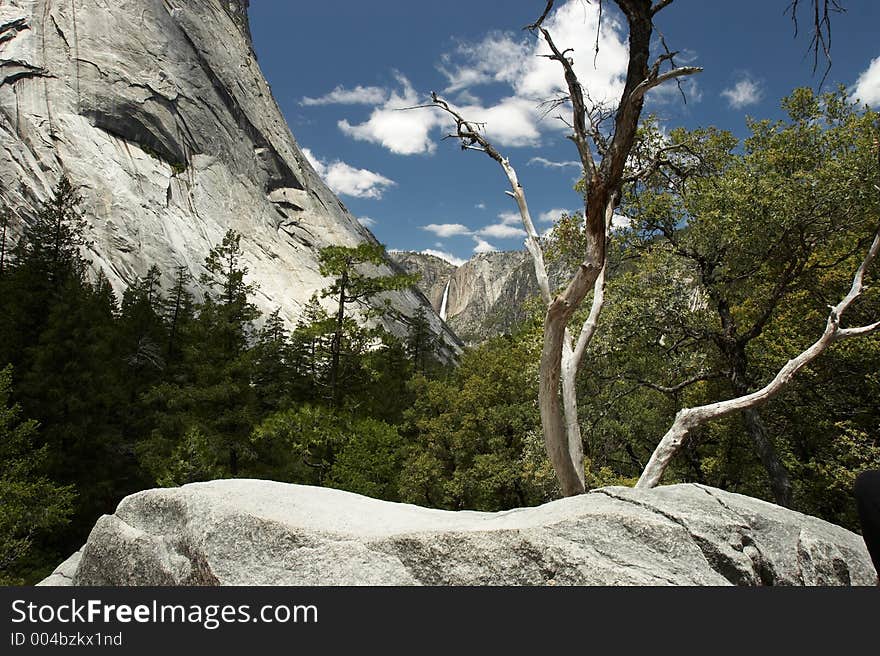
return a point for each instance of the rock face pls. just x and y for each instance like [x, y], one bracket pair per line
[158, 111]
[485, 295]
[434, 273]
[244, 532]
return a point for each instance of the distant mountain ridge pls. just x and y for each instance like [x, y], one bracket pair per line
[485, 296]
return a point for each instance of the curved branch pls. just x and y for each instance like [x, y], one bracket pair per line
[660, 78]
[537, 24]
[690, 418]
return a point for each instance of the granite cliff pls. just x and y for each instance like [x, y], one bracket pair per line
[158, 112]
[485, 296]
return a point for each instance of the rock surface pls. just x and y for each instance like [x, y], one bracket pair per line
[434, 273]
[158, 111]
[245, 532]
[486, 294]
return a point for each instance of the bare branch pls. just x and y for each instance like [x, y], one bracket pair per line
[675, 389]
[660, 6]
[578, 107]
[821, 37]
[689, 419]
[670, 56]
[471, 138]
[657, 80]
[534, 26]
[659, 160]
[860, 331]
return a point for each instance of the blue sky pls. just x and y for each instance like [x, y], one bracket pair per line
[341, 70]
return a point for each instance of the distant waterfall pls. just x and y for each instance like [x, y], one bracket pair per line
[445, 300]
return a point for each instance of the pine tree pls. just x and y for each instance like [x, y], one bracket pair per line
[349, 286]
[30, 504]
[385, 394]
[178, 312]
[142, 327]
[421, 342]
[229, 294]
[74, 385]
[46, 258]
[207, 410]
[272, 375]
[52, 242]
[309, 351]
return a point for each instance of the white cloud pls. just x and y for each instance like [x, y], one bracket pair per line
[515, 60]
[744, 93]
[443, 255]
[480, 206]
[518, 62]
[619, 221]
[552, 216]
[550, 164]
[467, 98]
[347, 180]
[313, 160]
[511, 122]
[341, 96]
[574, 25]
[508, 228]
[483, 246]
[402, 132]
[447, 229]
[366, 221]
[506, 58]
[501, 231]
[510, 218]
[497, 58]
[867, 88]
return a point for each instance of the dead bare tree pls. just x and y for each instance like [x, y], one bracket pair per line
[604, 158]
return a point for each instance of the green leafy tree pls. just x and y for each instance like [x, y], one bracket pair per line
[351, 284]
[369, 461]
[726, 271]
[31, 505]
[317, 445]
[751, 229]
[211, 403]
[472, 434]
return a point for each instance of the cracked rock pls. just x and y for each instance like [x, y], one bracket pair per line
[249, 532]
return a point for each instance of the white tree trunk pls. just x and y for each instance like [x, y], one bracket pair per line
[560, 358]
[565, 446]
